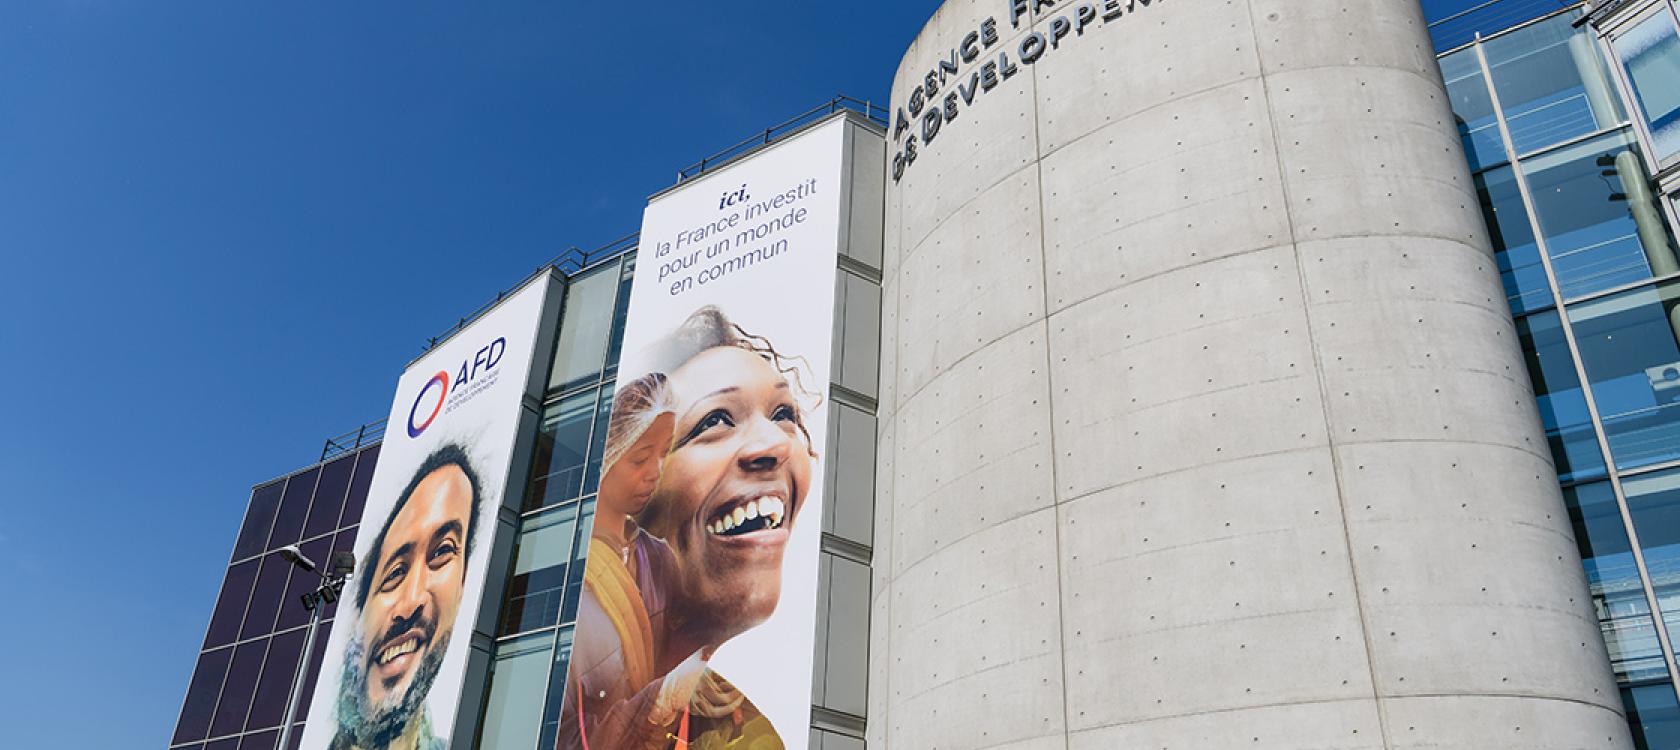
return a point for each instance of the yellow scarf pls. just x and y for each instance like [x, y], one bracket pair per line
[613, 586]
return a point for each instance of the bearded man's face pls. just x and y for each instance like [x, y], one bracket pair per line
[404, 626]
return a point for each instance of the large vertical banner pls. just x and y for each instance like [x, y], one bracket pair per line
[697, 619]
[394, 666]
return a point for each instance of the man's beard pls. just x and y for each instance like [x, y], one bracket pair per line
[374, 726]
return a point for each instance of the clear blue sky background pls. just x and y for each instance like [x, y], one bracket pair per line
[225, 226]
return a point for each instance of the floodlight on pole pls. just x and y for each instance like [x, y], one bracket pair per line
[332, 581]
[296, 557]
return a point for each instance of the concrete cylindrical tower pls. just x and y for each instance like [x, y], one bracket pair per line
[1203, 419]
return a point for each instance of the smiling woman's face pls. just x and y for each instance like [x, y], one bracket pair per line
[732, 487]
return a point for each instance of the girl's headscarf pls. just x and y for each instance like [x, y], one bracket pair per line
[633, 410]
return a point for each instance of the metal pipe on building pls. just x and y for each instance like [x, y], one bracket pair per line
[1647, 216]
[1648, 222]
[1600, 96]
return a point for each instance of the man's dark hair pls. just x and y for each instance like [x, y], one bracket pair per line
[450, 454]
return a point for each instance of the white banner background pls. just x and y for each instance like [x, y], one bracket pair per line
[787, 298]
[486, 423]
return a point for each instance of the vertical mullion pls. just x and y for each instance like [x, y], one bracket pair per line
[1663, 642]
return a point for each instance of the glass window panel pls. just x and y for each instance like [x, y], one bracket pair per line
[1512, 235]
[201, 695]
[1552, 83]
[1588, 218]
[513, 712]
[585, 327]
[849, 509]
[259, 518]
[580, 550]
[231, 743]
[236, 692]
[1557, 390]
[556, 690]
[832, 741]
[294, 509]
[353, 504]
[598, 440]
[621, 309]
[1650, 54]
[1653, 716]
[1654, 503]
[274, 689]
[1628, 347]
[539, 572]
[230, 606]
[260, 740]
[858, 344]
[1473, 109]
[292, 613]
[562, 449]
[265, 597]
[848, 637]
[1624, 614]
[329, 497]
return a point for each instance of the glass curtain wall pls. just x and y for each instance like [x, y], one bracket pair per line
[534, 632]
[237, 697]
[1588, 262]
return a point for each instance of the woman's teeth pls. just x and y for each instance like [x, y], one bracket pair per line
[757, 515]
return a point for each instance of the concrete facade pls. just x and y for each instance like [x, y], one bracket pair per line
[1203, 421]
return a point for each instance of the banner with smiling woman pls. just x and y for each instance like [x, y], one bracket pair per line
[697, 621]
[392, 675]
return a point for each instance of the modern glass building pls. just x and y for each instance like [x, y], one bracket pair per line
[237, 696]
[1570, 120]
[1562, 126]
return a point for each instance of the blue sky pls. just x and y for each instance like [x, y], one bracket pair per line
[225, 226]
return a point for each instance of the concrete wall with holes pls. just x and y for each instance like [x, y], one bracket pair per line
[1202, 419]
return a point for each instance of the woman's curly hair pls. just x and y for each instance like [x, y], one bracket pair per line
[708, 328]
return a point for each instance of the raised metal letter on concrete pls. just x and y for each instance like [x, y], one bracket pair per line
[1204, 421]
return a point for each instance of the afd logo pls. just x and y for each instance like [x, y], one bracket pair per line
[436, 391]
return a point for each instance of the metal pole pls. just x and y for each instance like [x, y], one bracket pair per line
[297, 680]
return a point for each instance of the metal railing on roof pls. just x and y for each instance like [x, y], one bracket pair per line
[1489, 17]
[576, 260]
[874, 112]
[569, 263]
[352, 441]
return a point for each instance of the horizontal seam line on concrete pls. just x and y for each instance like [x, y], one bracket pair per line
[948, 369]
[1480, 252]
[977, 673]
[1119, 559]
[910, 251]
[911, 565]
[964, 607]
[1195, 624]
[1361, 699]
[1177, 98]
[1285, 451]
[1189, 397]
[936, 489]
